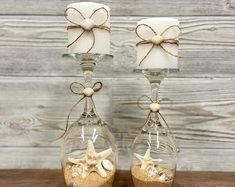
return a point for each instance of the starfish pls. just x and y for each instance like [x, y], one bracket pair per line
[147, 160]
[92, 161]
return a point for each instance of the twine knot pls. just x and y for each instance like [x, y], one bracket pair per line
[154, 107]
[87, 24]
[157, 40]
[85, 92]
[80, 89]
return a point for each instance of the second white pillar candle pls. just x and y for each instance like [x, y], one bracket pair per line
[157, 57]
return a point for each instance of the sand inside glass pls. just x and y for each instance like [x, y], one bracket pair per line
[141, 179]
[92, 180]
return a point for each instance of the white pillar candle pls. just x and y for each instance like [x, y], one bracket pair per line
[80, 19]
[154, 52]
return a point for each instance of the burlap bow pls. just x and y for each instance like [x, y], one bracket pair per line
[156, 40]
[154, 107]
[84, 92]
[87, 24]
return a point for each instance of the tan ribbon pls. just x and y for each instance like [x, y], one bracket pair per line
[95, 88]
[161, 116]
[161, 40]
[95, 26]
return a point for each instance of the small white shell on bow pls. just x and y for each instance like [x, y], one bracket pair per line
[87, 24]
[85, 92]
[156, 40]
[154, 107]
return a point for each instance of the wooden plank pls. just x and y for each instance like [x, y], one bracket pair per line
[196, 109]
[191, 159]
[49, 158]
[34, 111]
[127, 8]
[207, 47]
[28, 157]
[206, 159]
[54, 178]
[193, 110]
[26, 178]
[208, 179]
[200, 112]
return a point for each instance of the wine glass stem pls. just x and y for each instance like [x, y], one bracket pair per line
[88, 78]
[155, 89]
[88, 83]
[155, 78]
[155, 92]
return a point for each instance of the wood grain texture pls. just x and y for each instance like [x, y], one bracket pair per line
[207, 179]
[199, 111]
[16, 157]
[32, 46]
[198, 107]
[198, 102]
[189, 159]
[34, 110]
[54, 178]
[202, 121]
[127, 8]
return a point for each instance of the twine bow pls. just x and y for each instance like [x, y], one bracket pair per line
[87, 24]
[154, 107]
[86, 92]
[157, 40]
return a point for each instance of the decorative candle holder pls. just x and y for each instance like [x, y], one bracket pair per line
[88, 153]
[154, 150]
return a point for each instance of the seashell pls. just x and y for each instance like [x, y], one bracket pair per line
[160, 173]
[147, 160]
[92, 161]
[157, 39]
[162, 178]
[87, 24]
[169, 178]
[74, 184]
[107, 165]
[154, 107]
[88, 92]
[74, 174]
[77, 169]
[152, 171]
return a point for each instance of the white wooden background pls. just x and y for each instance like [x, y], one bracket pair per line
[199, 101]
